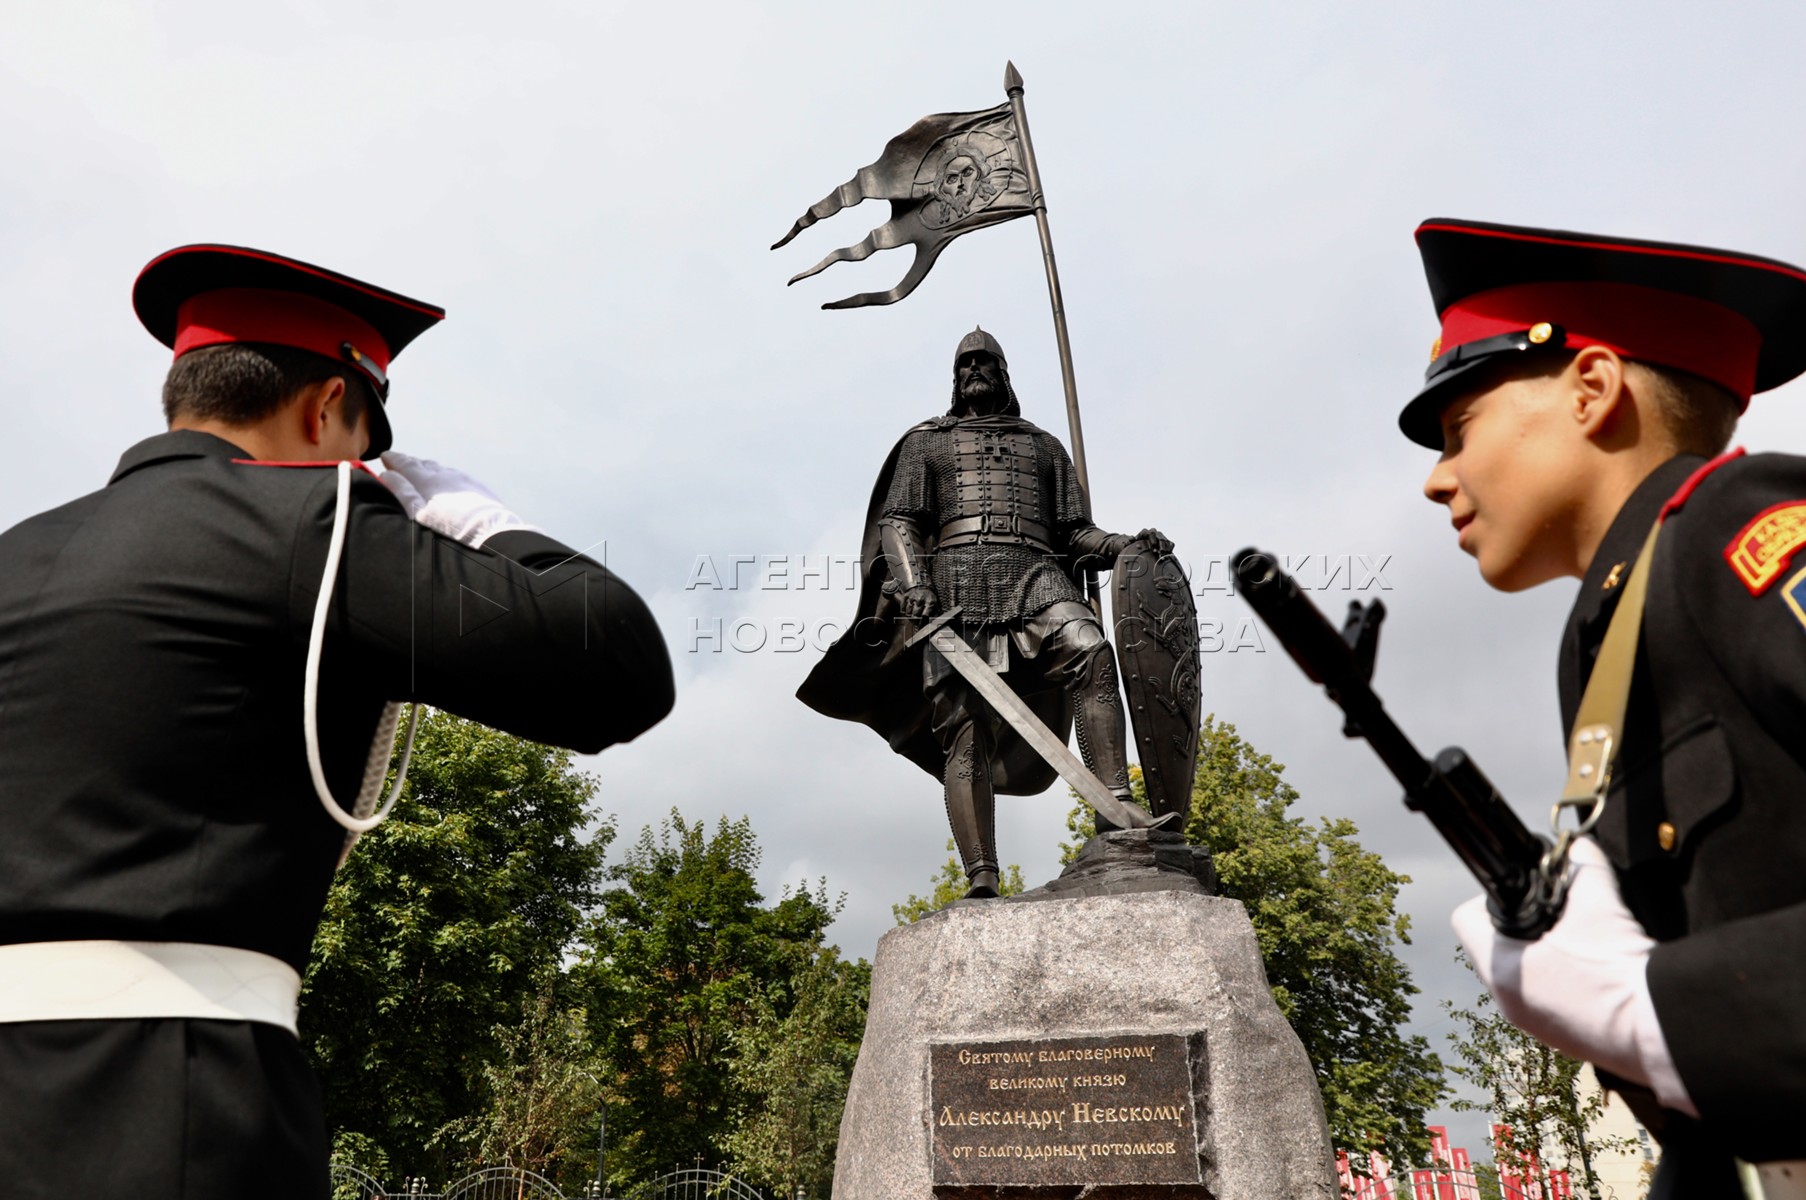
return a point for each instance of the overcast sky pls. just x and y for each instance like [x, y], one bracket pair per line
[590, 190]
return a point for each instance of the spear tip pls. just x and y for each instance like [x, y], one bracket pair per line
[1012, 78]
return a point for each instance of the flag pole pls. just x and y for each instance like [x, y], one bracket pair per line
[1012, 85]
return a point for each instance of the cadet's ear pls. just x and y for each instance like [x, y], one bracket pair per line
[320, 406]
[1596, 379]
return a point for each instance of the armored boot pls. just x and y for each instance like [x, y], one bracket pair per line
[1098, 719]
[972, 809]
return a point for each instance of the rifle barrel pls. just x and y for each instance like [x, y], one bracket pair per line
[1318, 649]
[1452, 792]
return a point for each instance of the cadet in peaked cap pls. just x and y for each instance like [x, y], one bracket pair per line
[170, 815]
[1581, 394]
[199, 296]
[1500, 291]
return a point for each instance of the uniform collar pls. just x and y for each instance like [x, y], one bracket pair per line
[1618, 548]
[1613, 561]
[180, 443]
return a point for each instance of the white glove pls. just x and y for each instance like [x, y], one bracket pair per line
[1583, 987]
[446, 500]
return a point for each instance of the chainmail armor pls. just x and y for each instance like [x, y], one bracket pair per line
[992, 581]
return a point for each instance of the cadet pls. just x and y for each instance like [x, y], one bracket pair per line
[164, 852]
[1582, 391]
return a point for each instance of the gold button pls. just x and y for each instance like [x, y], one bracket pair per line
[1665, 835]
[1611, 580]
[1541, 332]
[1436, 349]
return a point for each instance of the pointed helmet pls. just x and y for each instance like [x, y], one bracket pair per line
[978, 339]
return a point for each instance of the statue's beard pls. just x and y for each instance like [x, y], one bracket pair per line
[982, 396]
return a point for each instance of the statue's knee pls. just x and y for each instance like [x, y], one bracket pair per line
[1080, 644]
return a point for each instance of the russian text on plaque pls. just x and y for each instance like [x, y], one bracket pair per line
[1115, 1109]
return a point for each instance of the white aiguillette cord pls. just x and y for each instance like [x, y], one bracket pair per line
[364, 815]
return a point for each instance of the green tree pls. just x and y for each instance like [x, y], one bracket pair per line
[436, 930]
[793, 1071]
[357, 1150]
[542, 1099]
[949, 885]
[680, 956]
[1325, 913]
[1535, 1091]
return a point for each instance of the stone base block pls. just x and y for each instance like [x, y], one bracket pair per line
[1120, 1045]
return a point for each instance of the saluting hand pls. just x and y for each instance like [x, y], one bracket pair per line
[446, 500]
[1581, 988]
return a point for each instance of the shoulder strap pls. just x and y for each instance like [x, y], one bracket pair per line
[1599, 722]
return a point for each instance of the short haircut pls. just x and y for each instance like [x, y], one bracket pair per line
[241, 383]
[1698, 414]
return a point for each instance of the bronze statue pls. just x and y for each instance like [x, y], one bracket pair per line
[979, 515]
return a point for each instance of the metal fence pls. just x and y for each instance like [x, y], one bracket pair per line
[491, 1183]
[697, 1185]
[515, 1183]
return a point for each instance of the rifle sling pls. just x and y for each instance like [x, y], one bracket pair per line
[1599, 722]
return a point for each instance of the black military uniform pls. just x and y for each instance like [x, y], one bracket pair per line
[153, 778]
[1705, 820]
[987, 508]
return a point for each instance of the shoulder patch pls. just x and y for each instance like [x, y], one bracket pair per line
[1795, 595]
[1763, 548]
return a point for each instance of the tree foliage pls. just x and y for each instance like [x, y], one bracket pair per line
[948, 885]
[793, 1072]
[1325, 913]
[681, 956]
[1535, 1091]
[482, 985]
[436, 931]
[541, 1097]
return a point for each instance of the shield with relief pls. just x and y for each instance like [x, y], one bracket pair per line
[1156, 627]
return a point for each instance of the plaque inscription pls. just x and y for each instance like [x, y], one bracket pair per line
[1040, 1112]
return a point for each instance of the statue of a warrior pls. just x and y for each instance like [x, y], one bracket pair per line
[979, 509]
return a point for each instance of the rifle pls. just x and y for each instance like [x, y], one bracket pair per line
[1511, 863]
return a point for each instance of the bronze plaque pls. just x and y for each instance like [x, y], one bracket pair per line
[1065, 1111]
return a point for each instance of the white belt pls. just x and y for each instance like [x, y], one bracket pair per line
[101, 980]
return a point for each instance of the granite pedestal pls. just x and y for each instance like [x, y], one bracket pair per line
[1112, 1039]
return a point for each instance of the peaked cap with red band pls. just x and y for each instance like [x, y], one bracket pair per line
[196, 296]
[1735, 319]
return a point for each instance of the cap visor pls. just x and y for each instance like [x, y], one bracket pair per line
[1421, 419]
[381, 436]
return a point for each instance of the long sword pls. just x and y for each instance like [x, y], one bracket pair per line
[1022, 719]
